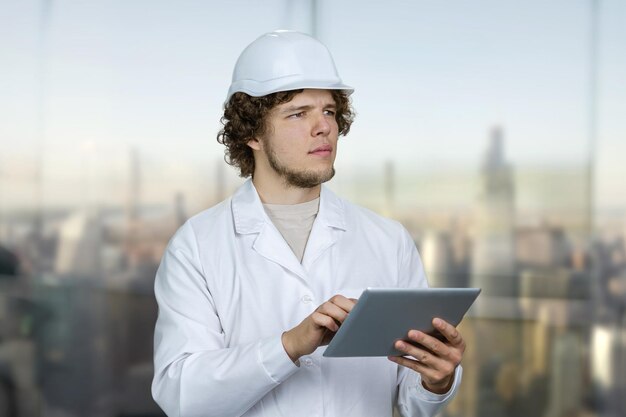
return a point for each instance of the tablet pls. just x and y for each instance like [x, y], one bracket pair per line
[384, 315]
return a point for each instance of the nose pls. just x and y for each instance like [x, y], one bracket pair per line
[322, 125]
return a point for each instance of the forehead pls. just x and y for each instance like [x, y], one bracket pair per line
[310, 97]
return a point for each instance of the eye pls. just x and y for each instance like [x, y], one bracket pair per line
[329, 112]
[296, 115]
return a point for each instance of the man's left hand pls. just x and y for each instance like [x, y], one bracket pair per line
[434, 359]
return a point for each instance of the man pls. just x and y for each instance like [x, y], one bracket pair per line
[251, 290]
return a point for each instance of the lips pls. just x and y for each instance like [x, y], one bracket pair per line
[322, 150]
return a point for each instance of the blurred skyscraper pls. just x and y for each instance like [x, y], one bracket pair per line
[608, 334]
[493, 258]
[443, 254]
[133, 197]
[79, 246]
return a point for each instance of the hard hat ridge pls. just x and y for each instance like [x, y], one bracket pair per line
[284, 60]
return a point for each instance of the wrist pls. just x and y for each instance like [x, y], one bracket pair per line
[439, 388]
[289, 347]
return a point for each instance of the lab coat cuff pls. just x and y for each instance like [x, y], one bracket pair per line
[431, 396]
[274, 359]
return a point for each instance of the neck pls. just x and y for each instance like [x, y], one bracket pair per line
[276, 191]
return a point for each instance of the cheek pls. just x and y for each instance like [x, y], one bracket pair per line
[334, 130]
[288, 149]
[293, 141]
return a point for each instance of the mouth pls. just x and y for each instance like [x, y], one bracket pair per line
[323, 150]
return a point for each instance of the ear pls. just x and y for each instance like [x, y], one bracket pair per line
[255, 144]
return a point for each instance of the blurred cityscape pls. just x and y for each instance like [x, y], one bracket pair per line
[104, 155]
[546, 338]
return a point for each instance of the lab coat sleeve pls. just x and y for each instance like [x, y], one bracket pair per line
[196, 374]
[413, 399]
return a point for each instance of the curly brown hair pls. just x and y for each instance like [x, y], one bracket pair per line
[245, 117]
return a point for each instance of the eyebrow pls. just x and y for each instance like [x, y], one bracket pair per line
[305, 108]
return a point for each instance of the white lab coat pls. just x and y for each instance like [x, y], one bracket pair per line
[229, 285]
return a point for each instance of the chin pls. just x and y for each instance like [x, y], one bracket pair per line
[308, 178]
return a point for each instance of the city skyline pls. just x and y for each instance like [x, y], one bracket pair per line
[106, 78]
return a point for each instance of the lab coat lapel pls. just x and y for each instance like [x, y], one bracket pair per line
[328, 227]
[271, 245]
[250, 218]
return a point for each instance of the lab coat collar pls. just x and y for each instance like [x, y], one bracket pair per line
[248, 212]
[331, 210]
[250, 217]
[327, 228]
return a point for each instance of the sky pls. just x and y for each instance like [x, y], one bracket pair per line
[92, 80]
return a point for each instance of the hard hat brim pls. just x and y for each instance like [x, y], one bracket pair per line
[250, 87]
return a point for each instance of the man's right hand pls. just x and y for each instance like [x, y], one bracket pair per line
[317, 329]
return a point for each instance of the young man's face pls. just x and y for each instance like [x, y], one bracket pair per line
[300, 142]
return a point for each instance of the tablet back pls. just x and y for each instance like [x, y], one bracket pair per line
[384, 315]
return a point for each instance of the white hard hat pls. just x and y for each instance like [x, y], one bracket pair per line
[284, 60]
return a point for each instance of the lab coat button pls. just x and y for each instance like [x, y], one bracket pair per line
[308, 362]
[306, 299]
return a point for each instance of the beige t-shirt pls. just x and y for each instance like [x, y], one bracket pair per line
[294, 222]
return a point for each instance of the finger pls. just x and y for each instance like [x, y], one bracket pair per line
[432, 376]
[409, 363]
[450, 332]
[344, 303]
[421, 355]
[323, 320]
[433, 368]
[434, 345]
[334, 311]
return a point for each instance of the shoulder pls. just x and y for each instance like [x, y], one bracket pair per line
[386, 241]
[363, 220]
[204, 226]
